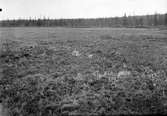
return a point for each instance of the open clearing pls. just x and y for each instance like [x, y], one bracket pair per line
[30, 34]
[83, 71]
[100, 35]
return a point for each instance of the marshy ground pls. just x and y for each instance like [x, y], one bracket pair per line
[83, 71]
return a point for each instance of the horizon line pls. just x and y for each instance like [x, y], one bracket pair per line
[45, 17]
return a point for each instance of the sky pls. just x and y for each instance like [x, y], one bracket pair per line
[14, 9]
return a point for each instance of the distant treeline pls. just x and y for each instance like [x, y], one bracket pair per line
[125, 21]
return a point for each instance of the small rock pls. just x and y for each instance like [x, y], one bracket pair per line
[79, 77]
[90, 55]
[154, 84]
[70, 107]
[123, 74]
[76, 53]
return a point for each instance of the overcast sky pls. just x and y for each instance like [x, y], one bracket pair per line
[79, 8]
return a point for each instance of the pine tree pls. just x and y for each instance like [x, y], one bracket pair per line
[166, 19]
[155, 19]
[125, 21]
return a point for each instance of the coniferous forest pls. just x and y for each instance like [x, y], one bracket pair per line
[124, 21]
